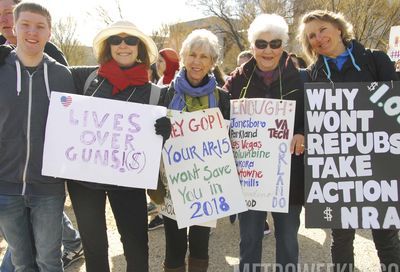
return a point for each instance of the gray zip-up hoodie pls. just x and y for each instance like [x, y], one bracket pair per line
[24, 102]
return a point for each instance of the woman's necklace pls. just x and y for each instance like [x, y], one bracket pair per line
[98, 87]
[134, 90]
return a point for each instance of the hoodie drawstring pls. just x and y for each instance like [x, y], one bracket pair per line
[328, 70]
[18, 66]
[46, 78]
[353, 60]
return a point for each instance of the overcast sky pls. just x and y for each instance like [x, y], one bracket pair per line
[146, 14]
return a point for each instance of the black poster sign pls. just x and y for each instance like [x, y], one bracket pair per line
[353, 155]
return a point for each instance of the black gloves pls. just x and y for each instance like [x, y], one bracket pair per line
[163, 127]
[4, 52]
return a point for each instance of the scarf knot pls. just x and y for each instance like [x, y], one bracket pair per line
[123, 78]
[184, 91]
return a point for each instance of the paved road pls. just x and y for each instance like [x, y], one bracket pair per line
[224, 249]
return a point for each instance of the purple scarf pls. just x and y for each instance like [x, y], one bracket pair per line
[182, 87]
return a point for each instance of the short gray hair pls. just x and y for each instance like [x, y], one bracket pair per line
[201, 38]
[271, 23]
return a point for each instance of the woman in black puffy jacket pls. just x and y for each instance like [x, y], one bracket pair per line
[124, 54]
[327, 39]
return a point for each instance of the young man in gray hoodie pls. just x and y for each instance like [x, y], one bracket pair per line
[30, 204]
[71, 240]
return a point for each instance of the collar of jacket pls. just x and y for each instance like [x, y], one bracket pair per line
[12, 57]
[360, 55]
[248, 67]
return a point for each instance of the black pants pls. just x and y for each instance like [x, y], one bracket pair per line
[130, 211]
[386, 243]
[176, 243]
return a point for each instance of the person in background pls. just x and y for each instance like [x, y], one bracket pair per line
[72, 247]
[31, 205]
[193, 88]
[328, 40]
[397, 68]
[154, 77]
[167, 65]
[219, 76]
[299, 62]
[272, 74]
[8, 37]
[124, 54]
[243, 57]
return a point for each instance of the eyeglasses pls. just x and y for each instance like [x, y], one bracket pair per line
[117, 40]
[274, 44]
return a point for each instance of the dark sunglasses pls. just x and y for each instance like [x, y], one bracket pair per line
[117, 40]
[274, 44]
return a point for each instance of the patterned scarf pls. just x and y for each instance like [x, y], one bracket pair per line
[123, 78]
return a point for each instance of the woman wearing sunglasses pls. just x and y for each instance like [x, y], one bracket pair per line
[328, 41]
[272, 74]
[124, 54]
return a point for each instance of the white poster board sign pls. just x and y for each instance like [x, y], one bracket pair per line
[261, 132]
[167, 208]
[200, 168]
[102, 140]
[394, 43]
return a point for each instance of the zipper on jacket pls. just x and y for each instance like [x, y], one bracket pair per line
[28, 133]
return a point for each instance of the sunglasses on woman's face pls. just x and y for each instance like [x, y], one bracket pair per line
[274, 44]
[117, 40]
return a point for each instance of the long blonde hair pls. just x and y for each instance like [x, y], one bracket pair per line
[337, 19]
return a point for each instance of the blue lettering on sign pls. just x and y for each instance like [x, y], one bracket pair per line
[209, 207]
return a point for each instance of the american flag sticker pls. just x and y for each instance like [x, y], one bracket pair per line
[66, 100]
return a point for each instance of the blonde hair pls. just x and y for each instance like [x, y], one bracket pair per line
[336, 19]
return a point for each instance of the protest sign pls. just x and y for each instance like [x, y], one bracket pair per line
[102, 140]
[394, 43]
[167, 208]
[353, 148]
[261, 132]
[200, 168]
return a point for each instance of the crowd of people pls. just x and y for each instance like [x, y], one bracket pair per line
[40, 236]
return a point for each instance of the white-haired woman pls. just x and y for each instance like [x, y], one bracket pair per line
[124, 54]
[272, 74]
[328, 40]
[193, 88]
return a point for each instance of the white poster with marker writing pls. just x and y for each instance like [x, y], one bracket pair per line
[200, 168]
[261, 132]
[394, 43]
[167, 208]
[102, 140]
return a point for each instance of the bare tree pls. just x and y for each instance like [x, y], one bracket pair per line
[229, 15]
[103, 15]
[371, 19]
[236, 16]
[63, 35]
[160, 36]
